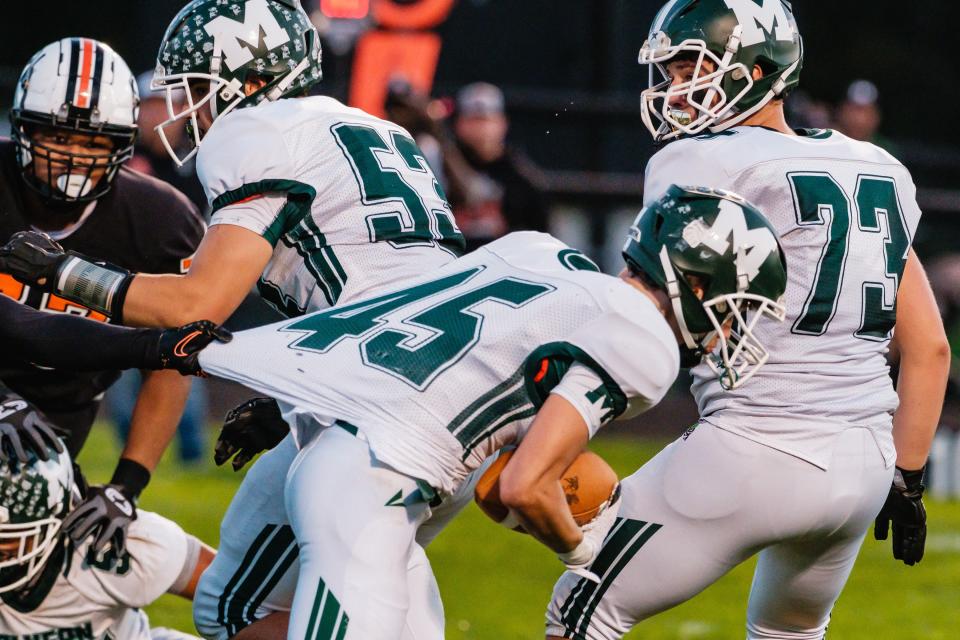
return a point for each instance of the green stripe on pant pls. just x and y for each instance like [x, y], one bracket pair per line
[327, 620]
[625, 539]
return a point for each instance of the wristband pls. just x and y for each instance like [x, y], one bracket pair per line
[132, 476]
[99, 286]
[579, 555]
[909, 481]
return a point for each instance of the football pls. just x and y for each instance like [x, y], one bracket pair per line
[588, 483]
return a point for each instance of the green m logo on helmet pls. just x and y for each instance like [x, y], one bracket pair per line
[729, 229]
[235, 38]
[760, 20]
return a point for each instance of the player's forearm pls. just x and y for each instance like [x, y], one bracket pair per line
[542, 510]
[156, 415]
[922, 385]
[168, 300]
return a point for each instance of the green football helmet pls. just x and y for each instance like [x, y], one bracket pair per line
[225, 43]
[719, 242]
[735, 35]
[34, 498]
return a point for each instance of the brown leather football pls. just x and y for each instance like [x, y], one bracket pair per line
[588, 483]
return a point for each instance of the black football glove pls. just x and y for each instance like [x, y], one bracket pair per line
[105, 513]
[252, 427]
[179, 348]
[33, 258]
[24, 429]
[904, 510]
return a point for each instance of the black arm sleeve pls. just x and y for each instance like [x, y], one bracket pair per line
[69, 342]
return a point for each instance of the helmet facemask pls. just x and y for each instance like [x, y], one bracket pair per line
[704, 92]
[737, 358]
[25, 549]
[69, 175]
[34, 498]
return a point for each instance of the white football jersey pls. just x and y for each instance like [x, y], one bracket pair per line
[446, 369]
[88, 601]
[846, 213]
[346, 199]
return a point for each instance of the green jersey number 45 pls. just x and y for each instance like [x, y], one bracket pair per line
[422, 345]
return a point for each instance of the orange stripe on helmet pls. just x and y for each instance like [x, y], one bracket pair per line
[85, 86]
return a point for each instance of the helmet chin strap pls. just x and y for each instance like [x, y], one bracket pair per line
[673, 290]
[288, 79]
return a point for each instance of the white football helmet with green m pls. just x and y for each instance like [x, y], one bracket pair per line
[225, 43]
[735, 36]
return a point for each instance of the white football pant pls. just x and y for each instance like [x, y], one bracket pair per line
[255, 571]
[356, 522]
[713, 499]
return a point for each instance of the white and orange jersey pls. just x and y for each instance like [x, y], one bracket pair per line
[846, 213]
[347, 200]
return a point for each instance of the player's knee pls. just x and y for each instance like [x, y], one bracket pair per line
[205, 603]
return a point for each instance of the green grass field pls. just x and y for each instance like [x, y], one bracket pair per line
[495, 583]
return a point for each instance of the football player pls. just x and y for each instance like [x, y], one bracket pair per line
[314, 203]
[798, 464]
[51, 587]
[520, 340]
[73, 127]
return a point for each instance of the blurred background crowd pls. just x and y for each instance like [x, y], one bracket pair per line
[529, 112]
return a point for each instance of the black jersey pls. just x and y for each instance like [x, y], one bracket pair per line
[141, 224]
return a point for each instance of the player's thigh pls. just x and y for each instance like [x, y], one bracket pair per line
[425, 618]
[255, 570]
[683, 523]
[798, 581]
[355, 538]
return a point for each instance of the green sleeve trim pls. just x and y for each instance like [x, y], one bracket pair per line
[300, 198]
[560, 356]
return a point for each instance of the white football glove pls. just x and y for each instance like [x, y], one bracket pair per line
[594, 533]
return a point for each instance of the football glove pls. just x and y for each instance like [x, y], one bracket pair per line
[105, 514]
[24, 429]
[180, 348]
[252, 427]
[904, 513]
[578, 560]
[36, 259]
[33, 258]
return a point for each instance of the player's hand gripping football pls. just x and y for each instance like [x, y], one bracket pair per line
[180, 348]
[105, 513]
[904, 513]
[578, 560]
[33, 258]
[23, 429]
[252, 427]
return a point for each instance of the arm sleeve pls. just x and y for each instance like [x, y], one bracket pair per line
[582, 387]
[248, 174]
[159, 551]
[69, 342]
